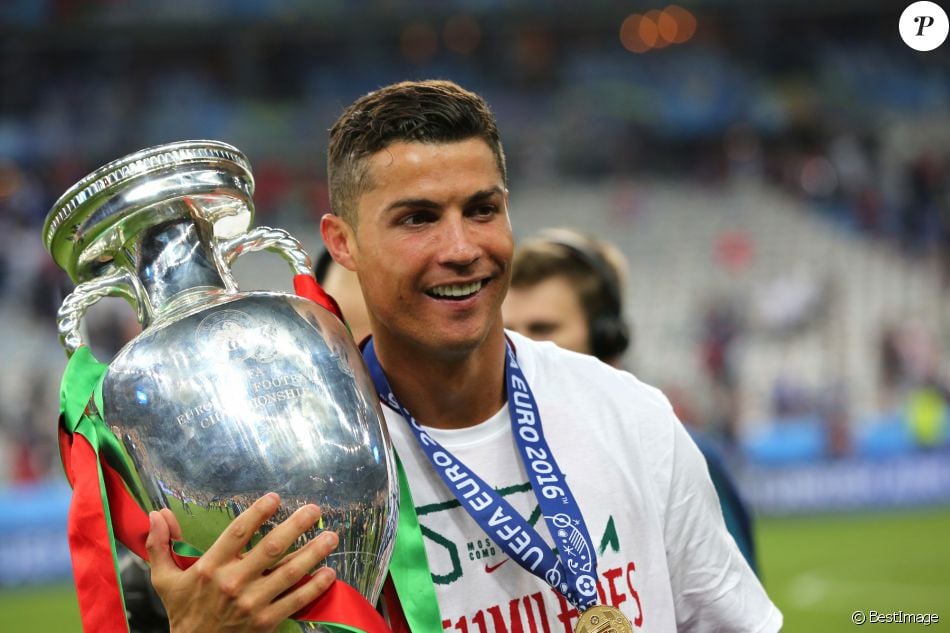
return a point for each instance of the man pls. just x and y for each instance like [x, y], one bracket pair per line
[419, 198]
[567, 287]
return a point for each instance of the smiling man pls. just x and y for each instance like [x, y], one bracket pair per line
[577, 473]
[510, 446]
[430, 241]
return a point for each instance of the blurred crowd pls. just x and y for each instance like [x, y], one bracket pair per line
[840, 115]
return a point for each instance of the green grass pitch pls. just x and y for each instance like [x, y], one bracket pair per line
[818, 570]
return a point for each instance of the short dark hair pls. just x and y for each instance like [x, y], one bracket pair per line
[431, 111]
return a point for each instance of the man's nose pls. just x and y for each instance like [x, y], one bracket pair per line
[460, 248]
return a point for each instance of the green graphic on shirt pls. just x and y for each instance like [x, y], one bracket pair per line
[610, 538]
[452, 549]
[455, 503]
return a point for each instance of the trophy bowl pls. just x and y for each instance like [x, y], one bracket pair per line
[225, 395]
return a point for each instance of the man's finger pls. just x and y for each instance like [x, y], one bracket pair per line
[294, 601]
[286, 575]
[172, 522]
[273, 546]
[237, 535]
[157, 546]
[292, 555]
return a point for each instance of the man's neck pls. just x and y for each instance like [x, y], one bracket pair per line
[446, 392]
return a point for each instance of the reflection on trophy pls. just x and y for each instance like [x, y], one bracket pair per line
[225, 395]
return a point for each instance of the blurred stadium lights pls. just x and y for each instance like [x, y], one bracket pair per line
[666, 26]
[657, 28]
[648, 31]
[685, 23]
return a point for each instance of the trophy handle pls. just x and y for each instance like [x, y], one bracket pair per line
[120, 283]
[265, 238]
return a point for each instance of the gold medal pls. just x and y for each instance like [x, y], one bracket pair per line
[603, 619]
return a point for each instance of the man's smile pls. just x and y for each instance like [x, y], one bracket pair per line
[457, 292]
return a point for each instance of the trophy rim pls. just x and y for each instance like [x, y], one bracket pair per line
[117, 174]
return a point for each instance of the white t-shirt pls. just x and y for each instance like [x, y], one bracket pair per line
[664, 556]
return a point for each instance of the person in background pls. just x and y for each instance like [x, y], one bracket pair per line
[567, 287]
[344, 287]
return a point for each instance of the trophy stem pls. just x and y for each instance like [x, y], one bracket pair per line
[171, 260]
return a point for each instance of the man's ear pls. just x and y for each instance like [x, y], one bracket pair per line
[339, 239]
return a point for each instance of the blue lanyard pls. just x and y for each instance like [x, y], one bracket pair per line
[573, 571]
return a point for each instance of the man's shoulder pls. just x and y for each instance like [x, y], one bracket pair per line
[547, 365]
[532, 354]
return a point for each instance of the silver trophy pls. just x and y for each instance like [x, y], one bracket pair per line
[225, 395]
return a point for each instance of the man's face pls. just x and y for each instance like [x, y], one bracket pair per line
[548, 311]
[432, 245]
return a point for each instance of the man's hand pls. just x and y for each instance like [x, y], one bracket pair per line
[228, 591]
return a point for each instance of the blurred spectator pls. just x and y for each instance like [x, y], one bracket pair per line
[34, 450]
[920, 218]
[911, 381]
[927, 415]
[790, 398]
[344, 287]
[567, 288]
[792, 302]
[836, 419]
[909, 359]
[722, 325]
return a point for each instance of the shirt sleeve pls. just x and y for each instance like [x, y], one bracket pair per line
[714, 589]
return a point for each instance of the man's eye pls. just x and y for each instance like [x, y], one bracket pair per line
[542, 329]
[415, 219]
[485, 210]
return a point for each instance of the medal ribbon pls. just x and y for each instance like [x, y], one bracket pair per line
[102, 508]
[573, 570]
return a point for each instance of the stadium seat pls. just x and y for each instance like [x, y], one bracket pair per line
[786, 441]
[884, 435]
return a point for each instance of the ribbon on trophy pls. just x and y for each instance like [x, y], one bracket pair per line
[102, 510]
[409, 593]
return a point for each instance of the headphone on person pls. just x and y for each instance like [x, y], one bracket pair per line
[322, 266]
[609, 334]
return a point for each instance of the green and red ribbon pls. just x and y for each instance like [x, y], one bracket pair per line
[102, 510]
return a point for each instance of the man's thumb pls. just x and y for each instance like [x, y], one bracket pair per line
[157, 543]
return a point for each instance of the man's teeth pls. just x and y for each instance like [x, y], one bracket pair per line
[456, 290]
